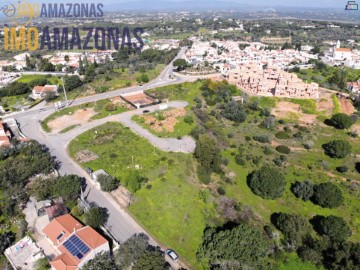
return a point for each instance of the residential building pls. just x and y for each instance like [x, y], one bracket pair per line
[39, 92]
[354, 87]
[272, 81]
[24, 254]
[77, 244]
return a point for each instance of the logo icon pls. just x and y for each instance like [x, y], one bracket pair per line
[351, 5]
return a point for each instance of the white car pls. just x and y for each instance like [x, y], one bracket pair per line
[172, 254]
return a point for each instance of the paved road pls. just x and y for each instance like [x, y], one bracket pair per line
[120, 224]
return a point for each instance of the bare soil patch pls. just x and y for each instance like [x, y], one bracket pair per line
[169, 122]
[326, 104]
[346, 106]
[290, 110]
[65, 121]
[85, 156]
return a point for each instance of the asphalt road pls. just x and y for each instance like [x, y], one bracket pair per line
[120, 224]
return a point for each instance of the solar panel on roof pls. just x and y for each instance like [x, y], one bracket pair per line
[76, 246]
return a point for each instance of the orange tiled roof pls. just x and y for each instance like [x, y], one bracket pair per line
[91, 237]
[343, 50]
[65, 223]
[64, 262]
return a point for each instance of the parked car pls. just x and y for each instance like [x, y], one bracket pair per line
[146, 111]
[172, 254]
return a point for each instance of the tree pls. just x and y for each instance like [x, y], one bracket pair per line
[130, 251]
[66, 58]
[303, 190]
[151, 260]
[327, 195]
[103, 261]
[6, 240]
[72, 82]
[50, 96]
[337, 149]
[96, 217]
[267, 183]
[341, 121]
[42, 264]
[294, 227]
[208, 154]
[108, 183]
[234, 112]
[42, 188]
[283, 149]
[68, 187]
[143, 78]
[334, 227]
[180, 64]
[241, 245]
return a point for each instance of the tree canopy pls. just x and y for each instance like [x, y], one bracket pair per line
[327, 195]
[242, 245]
[72, 82]
[337, 149]
[68, 187]
[180, 64]
[103, 261]
[267, 182]
[96, 217]
[303, 190]
[108, 183]
[341, 121]
[334, 227]
[207, 153]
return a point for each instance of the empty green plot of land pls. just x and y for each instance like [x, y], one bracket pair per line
[167, 205]
[29, 78]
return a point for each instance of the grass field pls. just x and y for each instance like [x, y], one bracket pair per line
[29, 78]
[164, 202]
[172, 205]
[337, 105]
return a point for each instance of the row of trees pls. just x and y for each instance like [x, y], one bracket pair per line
[135, 253]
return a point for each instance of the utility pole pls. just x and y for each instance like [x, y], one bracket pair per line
[67, 102]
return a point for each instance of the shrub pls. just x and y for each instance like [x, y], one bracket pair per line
[341, 121]
[282, 135]
[303, 190]
[108, 183]
[261, 138]
[240, 161]
[267, 182]
[337, 149]
[327, 195]
[221, 191]
[334, 227]
[283, 149]
[294, 227]
[342, 169]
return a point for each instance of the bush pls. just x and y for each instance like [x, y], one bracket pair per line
[342, 169]
[294, 227]
[261, 138]
[108, 183]
[341, 121]
[337, 149]
[334, 227]
[303, 190]
[234, 112]
[327, 195]
[282, 135]
[267, 182]
[240, 161]
[283, 149]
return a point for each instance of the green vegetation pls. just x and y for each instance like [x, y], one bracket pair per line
[328, 195]
[68, 128]
[306, 105]
[135, 253]
[241, 245]
[267, 183]
[341, 121]
[184, 194]
[337, 149]
[108, 183]
[182, 128]
[337, 105]
[95, 217]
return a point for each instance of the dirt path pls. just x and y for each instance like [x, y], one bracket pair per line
[346, 106]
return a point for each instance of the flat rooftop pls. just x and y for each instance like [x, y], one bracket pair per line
[24, 254]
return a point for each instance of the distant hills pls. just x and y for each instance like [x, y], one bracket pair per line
[198, 5]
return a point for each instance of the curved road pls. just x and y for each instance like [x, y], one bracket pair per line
[120, 224]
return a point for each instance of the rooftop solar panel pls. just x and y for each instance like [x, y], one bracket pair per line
[76, 247]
